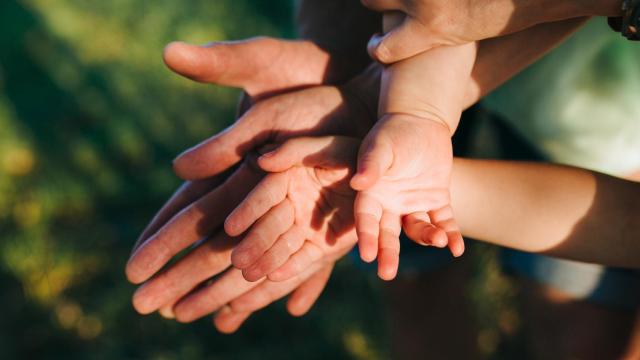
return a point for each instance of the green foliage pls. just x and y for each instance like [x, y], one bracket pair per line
[89, 122]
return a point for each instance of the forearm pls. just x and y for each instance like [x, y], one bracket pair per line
[500, 59]
[556, 210]
[342, 28]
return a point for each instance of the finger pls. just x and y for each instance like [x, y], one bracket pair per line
[269, 291]
[271, 191]
[223, 63]
[327, 151]
[298, 263]
[303, 298]
[389, 252]
[249, 64]
[227, 148]
[186, 194]
[212, 296]
[444, 219]
[208, 259]
[190, 225]
[166, 311]
[383, 5]
[287, 244]
[263, 235]
[402, 42]
[374, 159]
[368, 212]
[227, 321]
[418, 227]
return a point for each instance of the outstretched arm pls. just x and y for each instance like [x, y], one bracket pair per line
[555, 210]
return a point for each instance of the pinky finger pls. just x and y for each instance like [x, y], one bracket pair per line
[227, 321]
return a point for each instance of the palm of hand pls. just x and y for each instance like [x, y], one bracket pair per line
[412, 159]
[301, 213]
[419, 173]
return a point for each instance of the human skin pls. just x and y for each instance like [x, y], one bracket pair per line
[195, 62]
[405, 160]
[432, 23]
[586, 216]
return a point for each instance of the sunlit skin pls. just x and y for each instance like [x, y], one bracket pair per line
[324, 109]
[300, 213]
[405, 169]
[405, 161]
[433, 23]
[584, 211]
[235, 64]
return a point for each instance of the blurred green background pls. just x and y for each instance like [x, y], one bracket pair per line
[89, 122]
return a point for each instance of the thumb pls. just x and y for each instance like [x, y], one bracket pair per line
[374, 159]
[233, 64]
[220, 152]
[404, 41]
[327, 151]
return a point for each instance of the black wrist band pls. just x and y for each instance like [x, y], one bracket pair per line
[629, 24]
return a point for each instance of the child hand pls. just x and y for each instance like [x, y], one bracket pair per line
[404, 166]
[299, 213]
[404, 171]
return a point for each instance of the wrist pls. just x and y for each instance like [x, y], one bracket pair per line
[362, 93]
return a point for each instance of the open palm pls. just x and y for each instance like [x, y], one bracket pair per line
[405, 171]
[300, 213]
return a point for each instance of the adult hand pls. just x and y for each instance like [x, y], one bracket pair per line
[323, 109]
[431, 23]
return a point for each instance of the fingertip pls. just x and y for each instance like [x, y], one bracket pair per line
[297, 307]
[368, 254]
[223, 321]
[183, 166]
[183, 316]
[142, 304]
[173, 53]
[280, 275]
[437, 238]
[232, 227]
[253, 274]
[167, 312]
[240, 259]
[378, 50]
[361, 182]
[134, 272]
[457, 250]
[387, 272]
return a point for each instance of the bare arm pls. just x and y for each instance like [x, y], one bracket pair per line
[497, 61]
[500, 59]
[555, 210]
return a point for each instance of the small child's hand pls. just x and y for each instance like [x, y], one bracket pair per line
[404, 165]
[300, 213]
[404, 171]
